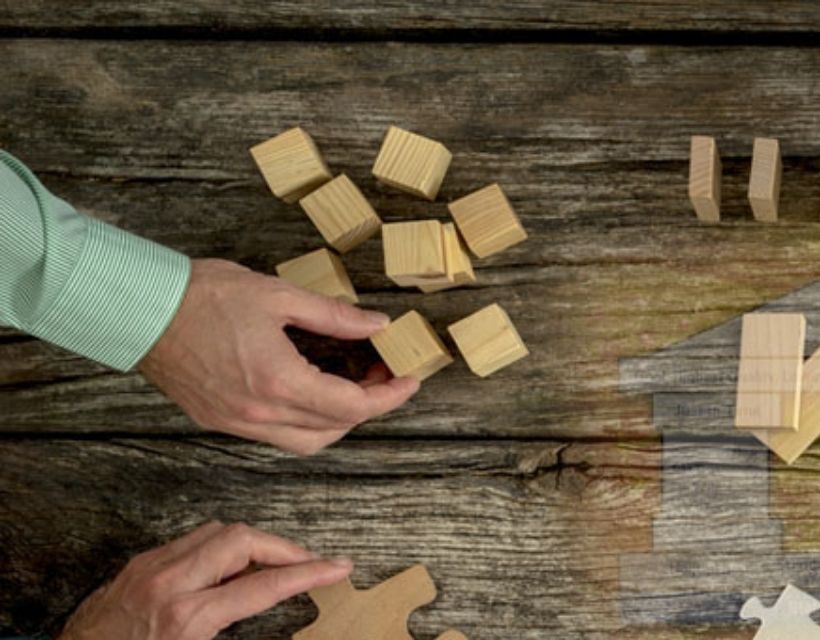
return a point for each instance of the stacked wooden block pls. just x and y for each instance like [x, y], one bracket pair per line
[705, 175]
[778, 394]
[426, 254]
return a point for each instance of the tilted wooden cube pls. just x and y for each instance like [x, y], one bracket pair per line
[412, 163]
[413, 252]
[458, 264]
[409, 346]
[487, 221]
[291, 164]
[320, 271]
[488, 340]
[341, 213]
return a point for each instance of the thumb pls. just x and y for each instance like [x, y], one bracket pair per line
[331, 317]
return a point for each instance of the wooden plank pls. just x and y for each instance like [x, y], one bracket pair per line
[368, 16]
[195, 116]
[536, 513]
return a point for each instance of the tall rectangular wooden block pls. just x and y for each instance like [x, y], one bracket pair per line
[413, 252]
[488, 340]
[458, 265]
[341, 213]
[487, 221]
[412, 163]
[770, 371]
[410, 346]
[765, 178]
[705, 178]
[291, 164]
[320, 271]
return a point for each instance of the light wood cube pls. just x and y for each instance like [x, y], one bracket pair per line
[705, 178]
[488, 340]
[458, 264]
[320, 271]
[409, 346]
[487, 221]
[765, 178]
[291, 164]
[341, 213]
[413, 252]
[412, 163]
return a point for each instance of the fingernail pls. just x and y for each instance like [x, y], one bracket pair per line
[341, 562]
[377, 318]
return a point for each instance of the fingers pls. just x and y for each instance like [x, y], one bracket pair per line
[252, 594]
[172, 550]
[331, 317]
[331, 395]
[375, 374]
[230, 551]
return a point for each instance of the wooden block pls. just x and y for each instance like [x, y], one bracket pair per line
[412, 163]
[409, 346]
[705, 178]
[770, 371]
[413, 252]
[764, 182]
[341, 213]
[459, 268]
[488, 340]
[320, 271]
[291, 164]
[790, 445]
[487, 221]
[380, 613]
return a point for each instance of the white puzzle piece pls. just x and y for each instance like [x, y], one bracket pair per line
[788, 619]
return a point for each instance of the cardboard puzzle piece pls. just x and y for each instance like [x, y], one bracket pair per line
[488, 340]
[487, 221]
[341, 213]
[409, 346]
[788, 619]
[413, 252]
[320, 271]
[412, 163]
[770, 371]
[705, 178]
[291, 164]
[379, 613]
[457, 263]
[790, 445]
[765, 179]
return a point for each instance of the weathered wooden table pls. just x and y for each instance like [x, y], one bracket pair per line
[521, 493]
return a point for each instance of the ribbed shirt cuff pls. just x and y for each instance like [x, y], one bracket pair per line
[120, 297]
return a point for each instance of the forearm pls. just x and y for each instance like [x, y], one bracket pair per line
[78, 282]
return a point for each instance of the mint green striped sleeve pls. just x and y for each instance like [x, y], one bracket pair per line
[78, 282]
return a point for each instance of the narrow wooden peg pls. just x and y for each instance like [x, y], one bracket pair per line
[705, 178]
[765, 179]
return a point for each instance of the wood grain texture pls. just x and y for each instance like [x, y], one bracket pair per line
[545, 478]
[367, 16]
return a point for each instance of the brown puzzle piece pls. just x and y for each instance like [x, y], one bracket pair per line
[379, 613]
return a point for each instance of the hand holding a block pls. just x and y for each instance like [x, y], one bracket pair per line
[228, 363]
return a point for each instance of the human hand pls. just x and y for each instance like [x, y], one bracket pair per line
[226, 361]
[193, 587]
